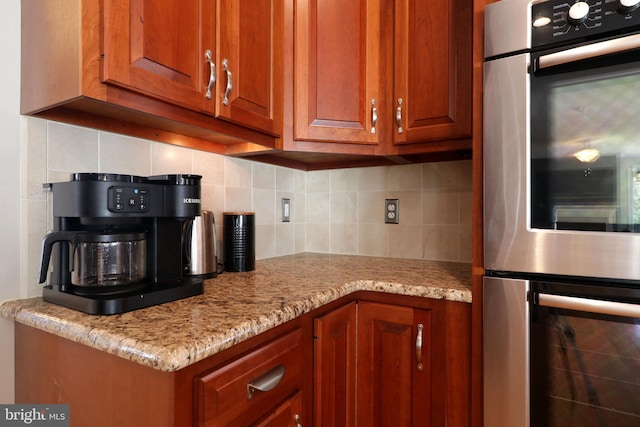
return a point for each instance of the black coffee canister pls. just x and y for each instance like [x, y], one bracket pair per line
[239, 240]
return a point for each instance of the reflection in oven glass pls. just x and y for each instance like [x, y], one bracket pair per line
[587, 375]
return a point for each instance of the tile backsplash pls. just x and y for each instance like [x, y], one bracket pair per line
[334, 211]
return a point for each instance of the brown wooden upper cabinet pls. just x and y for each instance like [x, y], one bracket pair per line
[145, 67]
[169, 49]
[382, 72]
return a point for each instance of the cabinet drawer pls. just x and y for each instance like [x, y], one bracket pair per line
[225, 397]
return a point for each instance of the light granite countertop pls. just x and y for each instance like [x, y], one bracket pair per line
[238, 306]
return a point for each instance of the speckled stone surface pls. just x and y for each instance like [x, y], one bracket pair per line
[238, 306]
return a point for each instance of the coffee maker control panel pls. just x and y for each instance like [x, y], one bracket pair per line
[128, 199]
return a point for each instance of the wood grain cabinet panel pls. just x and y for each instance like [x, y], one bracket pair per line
[158, 48]
[335, 356]
[250, 63]
[432, 70]
[153, 68]
[383, 73]
[379, 364]
[226, 397]
[337, 54]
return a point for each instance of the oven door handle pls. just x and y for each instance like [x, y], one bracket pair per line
[589, 51]
[589, 305]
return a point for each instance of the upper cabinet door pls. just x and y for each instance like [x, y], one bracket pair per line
[337, 55]
[432, 70]
[250, 63]
[158, 47]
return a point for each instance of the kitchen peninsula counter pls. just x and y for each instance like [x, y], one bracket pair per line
[238, 306]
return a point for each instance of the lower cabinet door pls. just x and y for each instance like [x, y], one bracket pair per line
[335, 368]
[373, 367]
[394, 365]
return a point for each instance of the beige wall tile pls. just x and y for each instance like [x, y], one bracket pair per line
[264, 176]
[265, 241]
[344, 239]
[440, 207]
[318, 207]
[237, 199]
[466, 175]
[405, 177]
[317, 237]
[285, 180]
[372, 239]
[71, 148]
[441, 175]
[465, 247]
[300, 237]
[264, 206]
[344, 208]
[371, 207]
[300, 178]
[210, 166]
[318, 181]
[125, 155]
[344, 180]
[33, 158]
[372, 179]
[285, 239]
[237, 173]
[170, 159]
[440, 242]
[410, 206]
[404, 241]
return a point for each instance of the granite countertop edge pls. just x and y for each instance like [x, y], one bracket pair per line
[165, 355]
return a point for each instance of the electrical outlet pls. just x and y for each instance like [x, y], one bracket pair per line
[286, 210]
[392, 211]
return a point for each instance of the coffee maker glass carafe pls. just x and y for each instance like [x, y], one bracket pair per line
[100, 259]
[117, 241]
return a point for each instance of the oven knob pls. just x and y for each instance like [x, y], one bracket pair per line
[627, 6]
[578, 12]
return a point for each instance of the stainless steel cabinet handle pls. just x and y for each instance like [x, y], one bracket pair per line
[399, 116]
[227, 92]
[589, 305]
[297, 420]
[212, 73]
[419, 347]
[374, 115]
[266, 382]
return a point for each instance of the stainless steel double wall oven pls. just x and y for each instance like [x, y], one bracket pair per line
[562, 213]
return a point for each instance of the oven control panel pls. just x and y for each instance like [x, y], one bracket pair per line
[558, 21]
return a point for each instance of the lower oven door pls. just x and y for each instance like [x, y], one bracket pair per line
[584, 354]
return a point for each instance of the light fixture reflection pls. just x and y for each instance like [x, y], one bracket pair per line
[587, 155]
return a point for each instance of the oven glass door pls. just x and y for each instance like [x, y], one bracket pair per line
[585, 365]
[585, 142]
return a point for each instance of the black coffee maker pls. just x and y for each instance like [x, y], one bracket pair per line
[119, 241]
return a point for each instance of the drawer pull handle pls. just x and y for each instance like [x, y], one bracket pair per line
[266, 382]
[419, 346]
[297, 420]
